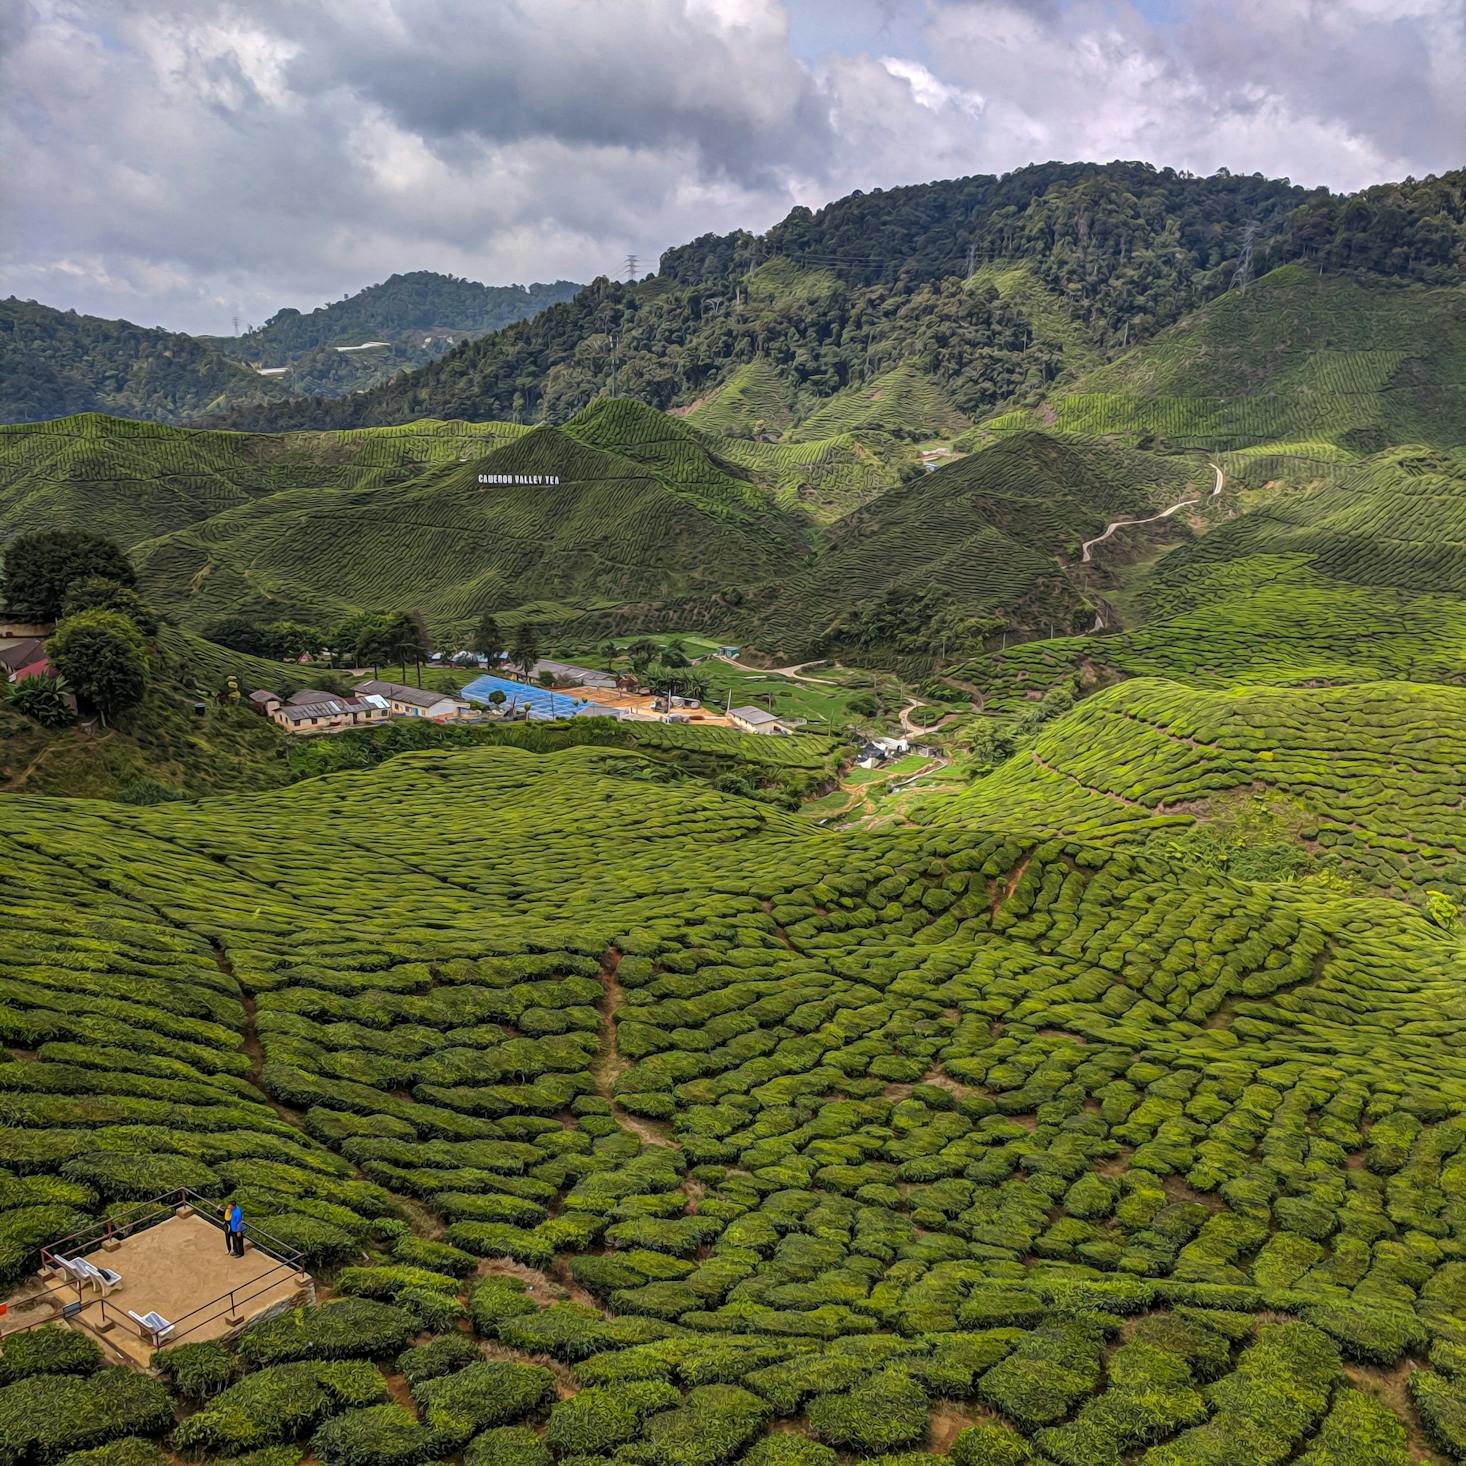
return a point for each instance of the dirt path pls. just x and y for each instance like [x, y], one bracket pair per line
[609, 1065]
[792, 672]
[1088, 545]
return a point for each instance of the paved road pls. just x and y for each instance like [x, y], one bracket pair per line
[1164, 514]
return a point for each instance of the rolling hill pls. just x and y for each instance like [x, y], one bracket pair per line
[1300, 364]
[994, 291]
[781, 1140]
[1364, 781]
[56, 363]
[973, 547]
[1358, 579]
[623, 519]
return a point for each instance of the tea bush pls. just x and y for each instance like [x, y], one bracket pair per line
[746, 1120]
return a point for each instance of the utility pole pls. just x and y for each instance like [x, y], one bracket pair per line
[1243, 272]
[613, 363]
[631, 269]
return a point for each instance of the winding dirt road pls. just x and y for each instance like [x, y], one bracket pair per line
[1088, 545]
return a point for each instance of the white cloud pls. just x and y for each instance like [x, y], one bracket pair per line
[176, 160]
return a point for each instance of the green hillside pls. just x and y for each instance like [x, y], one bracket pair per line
[902, 402]
[999, 290]
[642, 515]
[1364, 782]
[413, 318]
[971, 547]
[1309, 365]
[760, 1136]
[134, 480]
[53, 363]
[753, 401]
[1358, 580]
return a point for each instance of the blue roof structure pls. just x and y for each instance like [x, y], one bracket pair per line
[536, 702]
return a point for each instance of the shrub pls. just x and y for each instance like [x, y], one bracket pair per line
[50, 1415]
[490, 1392]
[196, 1371]
[42, 698]
[275, 1404]
[598, 1419]
[1377, 1335]
[713, 1424]
[990, 1445]
[1442, 1406]
[881, 1414]
[436, 1358]
[345, 1329]
[131, 1450]
[382, 1435]
[50, 1349]
[507, 1445]
[496, 1300]
[439, 1257]
[787, 1450]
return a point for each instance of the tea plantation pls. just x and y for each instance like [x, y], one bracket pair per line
[630, 1122]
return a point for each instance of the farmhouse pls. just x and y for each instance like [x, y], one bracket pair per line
[263, 702]
[416, 702]
[756, 720]
[331, 714]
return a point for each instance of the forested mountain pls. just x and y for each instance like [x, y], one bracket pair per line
[995, 288]
[53, 362]
[56, 362]
[405, 321]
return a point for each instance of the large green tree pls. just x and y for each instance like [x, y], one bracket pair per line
[41, 568]
[103, 656]
[488, 640]
[526, 649]
[97, 593]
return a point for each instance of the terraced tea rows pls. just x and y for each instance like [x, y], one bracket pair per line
[1369, 779]
[1295, 357]
[773, 1141]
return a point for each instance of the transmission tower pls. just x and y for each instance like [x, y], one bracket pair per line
[630, 269]
[1243, 273]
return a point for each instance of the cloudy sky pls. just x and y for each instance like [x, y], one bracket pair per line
[178, 162]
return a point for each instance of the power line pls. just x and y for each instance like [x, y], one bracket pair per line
[1243, 272]
[631, 263]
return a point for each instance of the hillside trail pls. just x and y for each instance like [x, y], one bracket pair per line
[792, 672]
[1099, 539]
[907, 726]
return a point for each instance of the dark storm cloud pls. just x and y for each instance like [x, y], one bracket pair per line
[174, 161]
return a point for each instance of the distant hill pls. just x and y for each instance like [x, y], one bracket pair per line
[973, 547]
[622, 519]
[642, 516]
[405, 321]
[57, 362]
[1324, 366]
[995, 290]
[53, 363]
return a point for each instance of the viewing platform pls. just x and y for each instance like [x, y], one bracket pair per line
[164, 1278]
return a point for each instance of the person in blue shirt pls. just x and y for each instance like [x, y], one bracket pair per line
[234, 1229]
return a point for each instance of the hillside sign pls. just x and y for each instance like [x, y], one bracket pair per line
[519, 478]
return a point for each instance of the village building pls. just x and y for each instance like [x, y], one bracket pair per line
[20, 656]
[567, 674]
[331, 715]
[756, 720]
[417, 702]
[263, 702]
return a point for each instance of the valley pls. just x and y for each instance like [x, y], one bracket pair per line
[1043, 1044]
